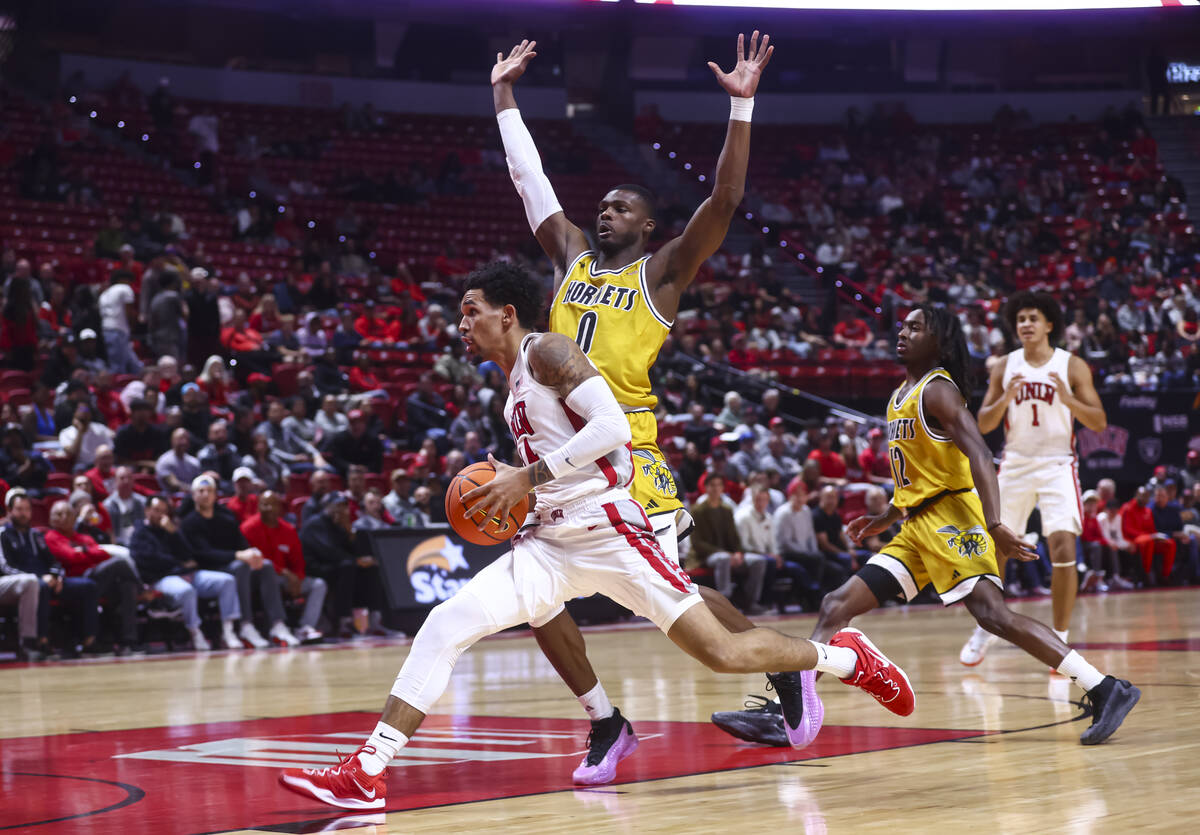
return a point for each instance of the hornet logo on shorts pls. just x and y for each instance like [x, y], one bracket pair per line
[971, 543]
[430, 566]
[657, 471]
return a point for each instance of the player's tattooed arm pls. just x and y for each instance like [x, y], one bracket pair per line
[538, 473]
[558, 363]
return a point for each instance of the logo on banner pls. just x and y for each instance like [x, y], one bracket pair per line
[1136, 401]
[432, 565]
[1170, 423]
[1150, 449]
[1113, 440]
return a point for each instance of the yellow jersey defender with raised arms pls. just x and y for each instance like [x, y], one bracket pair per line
[610, 315]
[944, 540]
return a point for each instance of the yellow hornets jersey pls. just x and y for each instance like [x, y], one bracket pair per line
[924, 462]
[610, 315]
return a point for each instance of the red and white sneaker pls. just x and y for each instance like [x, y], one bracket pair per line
[876, 674]
[344, 785]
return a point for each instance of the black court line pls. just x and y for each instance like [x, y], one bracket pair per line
[292, 828]
[133, 795]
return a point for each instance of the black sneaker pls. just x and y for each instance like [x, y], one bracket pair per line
[761, 722]
[610, 741]
[1109, 702]
[96, 650]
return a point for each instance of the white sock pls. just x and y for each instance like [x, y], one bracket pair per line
[837, 661]
[385, 741]
[1080, 671]
[1062, 634]
[596, 703]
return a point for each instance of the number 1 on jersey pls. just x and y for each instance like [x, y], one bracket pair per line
[587, 331]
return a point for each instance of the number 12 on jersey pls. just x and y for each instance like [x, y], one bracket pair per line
[898, 465]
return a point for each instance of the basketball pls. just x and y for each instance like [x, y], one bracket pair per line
[465, 524]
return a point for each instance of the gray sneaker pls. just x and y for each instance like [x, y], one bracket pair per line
[1109, 705]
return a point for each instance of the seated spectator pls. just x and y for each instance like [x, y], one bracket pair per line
[797, 542]
[21, 588]
[831, 462]
[355, 445]
[244, 501]
[264, 463]
[25, 549]
[425, 410]
[371, 328]
[874, 460]
[83, 437]
[278, 541]
[426, 512]
[312, 337]
[715, 543]
[112, 571]
[140, 442]
[731, 416]
[330, 419]
[166, 562]
[214, 381]
[320, 483]
[1137, 526]
[876, 505]
[300, 424]
[293, 451]
[39, 421]
[195, 414]
[217, 544]
[175, 468]
[329, 553]
[1168, 519]
[757, 532]
[1101, 555]
[20, 466]
[473, 449]
[125, 508]
[831, 539]
[220, 456]
[397, 503]
[103, 476]
[371, 513]
[286, 342]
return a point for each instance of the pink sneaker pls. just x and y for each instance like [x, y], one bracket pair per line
[803, 711]
[610, 741]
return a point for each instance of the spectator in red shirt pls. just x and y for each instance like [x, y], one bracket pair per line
[833, 465]
[214, 381]
[109, 567]
[852, 333]
[373, 329]
[103, 476]
[1137, 524]
[362, 378]
[239, 337]
[279, 543]
[874, 460]
[265, 318]
[108, 401]
[244, 502]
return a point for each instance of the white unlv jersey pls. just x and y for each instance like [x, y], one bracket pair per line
[541, 422]
[1038, 424]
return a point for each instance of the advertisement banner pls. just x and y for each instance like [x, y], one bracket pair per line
[1145, 430]
[423, 566]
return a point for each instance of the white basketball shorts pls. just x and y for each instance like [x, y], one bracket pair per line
[1051, 484]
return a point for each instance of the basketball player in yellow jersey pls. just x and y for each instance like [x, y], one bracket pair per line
[949, 498]
[619, 304]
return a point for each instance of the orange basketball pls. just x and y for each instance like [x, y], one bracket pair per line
[465, 524]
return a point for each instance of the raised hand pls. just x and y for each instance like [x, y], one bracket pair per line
[742, 81]
[508, 70]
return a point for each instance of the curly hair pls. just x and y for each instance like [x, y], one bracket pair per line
[952, 346]
[502, 283]
[1034, 300]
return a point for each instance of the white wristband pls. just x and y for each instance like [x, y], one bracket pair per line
[740, 109]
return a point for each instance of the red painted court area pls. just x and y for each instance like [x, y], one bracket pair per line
[206, 778]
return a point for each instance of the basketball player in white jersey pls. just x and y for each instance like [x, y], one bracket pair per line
[586, 535]
[619, 303]
[1039, 392]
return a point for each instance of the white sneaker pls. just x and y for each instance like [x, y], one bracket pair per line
[976, 647]
[307, 634]
[250, 635]
[281, 633]
[199, 642]
[230, 639]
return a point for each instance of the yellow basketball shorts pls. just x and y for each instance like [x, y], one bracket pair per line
[946, 544]
[653, 484]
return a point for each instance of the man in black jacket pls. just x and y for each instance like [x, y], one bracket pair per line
[356, 446]
[25, 550]
[329, 553]
[166, 562]
[21, 588]
[219, 455]
[217, 544]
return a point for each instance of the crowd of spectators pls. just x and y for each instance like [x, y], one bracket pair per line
[181, 433]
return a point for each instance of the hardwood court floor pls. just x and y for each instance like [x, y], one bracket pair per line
[193, 744]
